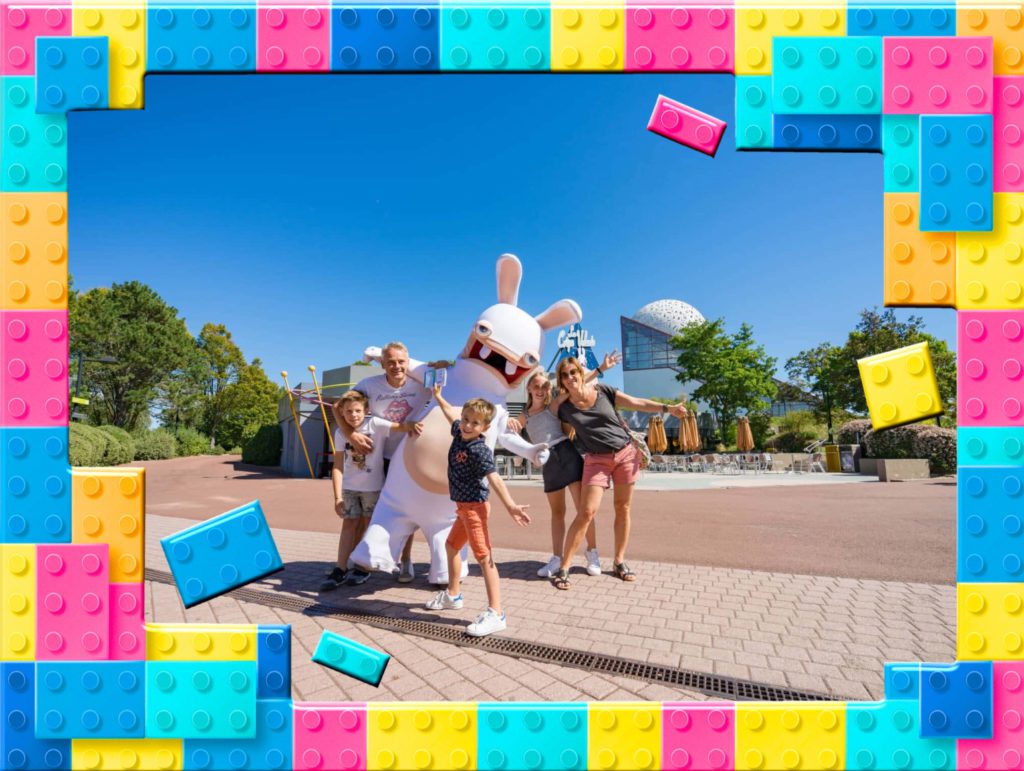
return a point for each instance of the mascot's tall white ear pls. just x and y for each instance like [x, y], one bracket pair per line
[562, 313]
[510, 273]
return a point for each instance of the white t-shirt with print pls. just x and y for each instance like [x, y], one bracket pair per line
[363, 473]
[396, 405]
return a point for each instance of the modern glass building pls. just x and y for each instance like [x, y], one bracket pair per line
[648, 361]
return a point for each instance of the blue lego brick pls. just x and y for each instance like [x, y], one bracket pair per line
[754, 112]
[956, 172]
[19, 747]
[350, 658]
[908, 19]
[827, 75]
[990, 533]
[990, 446]
[274, 661]
[956, 700]
[197, 39]
[36, 495]
[547, 737]
[34, 147]
[853, 133]
[72, 73]
[493, 38]
[902, 681]
[882, 735]
[201, 700]
[900, 148]
[398, 38]
[90, 699]
[270, 749]
[222, 554]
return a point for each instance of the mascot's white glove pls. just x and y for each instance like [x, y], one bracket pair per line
[373, 353]
[541, 453]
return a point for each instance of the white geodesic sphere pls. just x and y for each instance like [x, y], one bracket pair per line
[668, 316]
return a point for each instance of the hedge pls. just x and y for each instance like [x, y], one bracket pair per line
[155, 445]
[192, 442]
[936, 444]
[264, 449]
[86, 445]
[126, 444]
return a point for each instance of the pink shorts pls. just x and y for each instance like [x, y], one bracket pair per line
[622, 467]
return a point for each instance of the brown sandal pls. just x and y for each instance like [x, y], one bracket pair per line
[561, 580]
[621, 571]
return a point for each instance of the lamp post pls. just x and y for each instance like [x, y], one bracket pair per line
[82, 358]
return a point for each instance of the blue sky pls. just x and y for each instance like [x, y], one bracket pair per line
[314, 215]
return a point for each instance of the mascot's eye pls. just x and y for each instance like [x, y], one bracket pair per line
[529, 360]
[483, 329]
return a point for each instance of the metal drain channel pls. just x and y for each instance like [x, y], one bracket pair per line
[716, 686]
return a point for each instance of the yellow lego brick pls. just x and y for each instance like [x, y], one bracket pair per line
[624, 735]
[18, 589]
[1004, 22]
[124, 22]
[899, 386]
[35, 251]
[920, 268]
[990, 265]
[201, 642]
[423, 735]
[109, 506]
[127, 754]
[779, 735]
[990, 622]
[758, 21]
[588, 36]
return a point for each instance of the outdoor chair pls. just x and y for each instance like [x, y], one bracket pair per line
[659, 463]
[767, 464]
[520, 468]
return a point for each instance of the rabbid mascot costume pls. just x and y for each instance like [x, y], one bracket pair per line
[504, 346]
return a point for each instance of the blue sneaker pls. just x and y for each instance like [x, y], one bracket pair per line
[444, 601]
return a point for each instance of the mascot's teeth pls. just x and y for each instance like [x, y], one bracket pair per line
[484, 352]
[510, 368]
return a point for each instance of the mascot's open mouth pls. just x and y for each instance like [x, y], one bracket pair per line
[508, 369]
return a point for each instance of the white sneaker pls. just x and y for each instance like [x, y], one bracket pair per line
[551, 568]
[406, 573]
[486, 623]
[444, 601]
[593, 562]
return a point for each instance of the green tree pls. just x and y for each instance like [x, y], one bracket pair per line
[815, 370]
[224, 362]
[253, 403]
[181, 396]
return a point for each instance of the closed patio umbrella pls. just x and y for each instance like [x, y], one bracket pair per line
[693, 432]
[744, 436]
[656, 439]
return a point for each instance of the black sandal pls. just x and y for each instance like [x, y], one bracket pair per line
[621, 571]
[560, 580]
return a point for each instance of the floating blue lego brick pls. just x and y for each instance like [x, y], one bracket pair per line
[515, 735]
[990, 446]
[271, 749]
[885, 735]
[956, 172]
[852, 133]
[907, 19]
[90, 699]
[19, 747]
[754, 112]
[72, 73]
[990, 524]
[197, 39]
[494, 38]
[902, 680]
[956, 700]
[274, 661]
[201, 700]
[350, 658]
[901, 150]
[34, 147]
[827, 75]
[222, 554]
[36, 495]
[398, 38]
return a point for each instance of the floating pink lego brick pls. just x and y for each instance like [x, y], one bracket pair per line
[292, 38]
[20, 25]
[1008, 147]
[683, 37]
[990, 368]
[73, 595]
[127, 622]
[35, 368]
[698, 735]
[329, 736]
[686, 125]
[929, 75]
[1006, 747]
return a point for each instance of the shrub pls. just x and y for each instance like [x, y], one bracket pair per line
[86, 445]
[192, 442]
[264, 449]
[894, 443]
[155, 445]
[120, 446]
[124, 438]
[853, 432]
[938, 445]
[235, 451]
[790, 441]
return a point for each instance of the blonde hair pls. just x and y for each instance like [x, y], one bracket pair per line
[481, 407]
[352, 396]
[394, 345]
[529, 380]
[564, 364]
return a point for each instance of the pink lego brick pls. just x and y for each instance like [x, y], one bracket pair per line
[1006, 747]
[686, 125]
[329, 736]
[929, 75]
[698, 735]
[127, 622]
[34, 382]
[292, 38]
[684, 37]
[1008, 147]
[20, 25]
[990, 368]
[73, 592]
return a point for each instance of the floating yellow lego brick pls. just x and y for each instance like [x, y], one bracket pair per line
[126, 754]
[899, 386]
[920, 268]
[18, 592]
[990, 622]
[124, 22]
[34, 239]
[422, 735]
[781, 735]
[201, 642]
[588, 36]
[990, 265]
[109, 506]
[1003, 22]
[758, 21]
[624, 735]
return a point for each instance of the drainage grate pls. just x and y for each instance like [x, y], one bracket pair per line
[715, 686]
